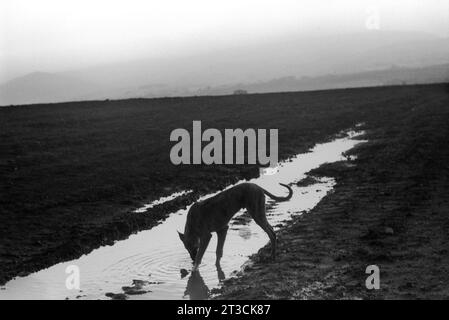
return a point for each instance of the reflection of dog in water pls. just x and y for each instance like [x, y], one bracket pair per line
[214, 214]
[196, 288]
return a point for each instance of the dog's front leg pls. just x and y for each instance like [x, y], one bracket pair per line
[204, 242]
[221, 237]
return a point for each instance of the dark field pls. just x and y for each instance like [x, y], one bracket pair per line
[71, 173]
[390, 208]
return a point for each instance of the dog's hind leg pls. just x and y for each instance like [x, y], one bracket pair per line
[204, 242]
[272, 235]
[221, 237]
[259, 215]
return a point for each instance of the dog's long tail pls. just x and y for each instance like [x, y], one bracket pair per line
[272, 196]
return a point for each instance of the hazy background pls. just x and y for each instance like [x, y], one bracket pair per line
[53, 50]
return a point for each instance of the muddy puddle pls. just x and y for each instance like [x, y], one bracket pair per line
[153, 264]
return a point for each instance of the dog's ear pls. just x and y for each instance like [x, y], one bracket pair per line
[181, 236]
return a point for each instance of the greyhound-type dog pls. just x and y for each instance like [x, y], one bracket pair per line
[214, 214]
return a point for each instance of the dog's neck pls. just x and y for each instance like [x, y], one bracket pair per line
[189, 230]
[190, 236]
[189, 233]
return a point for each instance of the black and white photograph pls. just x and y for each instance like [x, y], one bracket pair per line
[224, 151]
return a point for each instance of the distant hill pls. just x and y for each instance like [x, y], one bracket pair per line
[288, 63]
[40, 87]
[391, 76]
[290, 55]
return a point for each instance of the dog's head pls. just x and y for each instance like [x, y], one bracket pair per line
[190, 244]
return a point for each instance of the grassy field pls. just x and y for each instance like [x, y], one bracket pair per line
[71, 173]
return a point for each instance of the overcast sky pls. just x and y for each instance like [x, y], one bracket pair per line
[57, 35]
